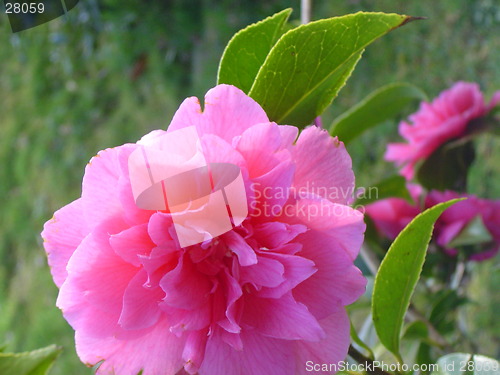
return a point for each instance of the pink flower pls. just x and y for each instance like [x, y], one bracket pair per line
[391, 215]
[447, 117]
[458, 216]
[262, 298]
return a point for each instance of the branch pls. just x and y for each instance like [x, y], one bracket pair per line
[368, 363]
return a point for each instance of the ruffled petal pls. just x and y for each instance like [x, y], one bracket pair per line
[324, 167]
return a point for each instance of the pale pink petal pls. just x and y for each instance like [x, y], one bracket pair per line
[228, 112]
[61, 236]
[100, 195]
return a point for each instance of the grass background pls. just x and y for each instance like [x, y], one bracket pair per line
[113, 70]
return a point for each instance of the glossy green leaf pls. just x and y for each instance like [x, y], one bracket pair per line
[392, 187]
[310, 64]
[398, 275]
[464, 363]
[381, 105]
[36, 362]
[248, 49]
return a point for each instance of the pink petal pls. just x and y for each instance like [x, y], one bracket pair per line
[260, 355]
[100, 196]
[131, 243]
[332, 243]
[140, 304]
[236, 244]
[128, 357]
[282, 318]
[61, 236]
[275, 234]
[258, 145]
[331, 350]
[267, 272]
[323, 166]
[228, 113]
[185, 287]
[296, 270]
[96, 275]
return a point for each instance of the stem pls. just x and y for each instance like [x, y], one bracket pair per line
[305, 11]
[369, 364]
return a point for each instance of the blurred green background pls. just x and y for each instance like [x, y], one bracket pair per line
[111, 71]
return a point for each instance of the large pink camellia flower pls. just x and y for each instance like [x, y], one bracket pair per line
[262, 298]
[391, 215]
[447, 117]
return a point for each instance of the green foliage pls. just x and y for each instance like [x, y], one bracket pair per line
[398, 275]
[394, 186]
[36, 362]
[247, 50]
[467, 364]
[447, 167]
[381, 105]
[308, 66]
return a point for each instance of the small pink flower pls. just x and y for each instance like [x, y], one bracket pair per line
[447, 117]
[391, 215]
[262, 298]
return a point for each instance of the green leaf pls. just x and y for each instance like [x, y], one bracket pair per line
[416, 331]
[464, 363]
[392, 187]
[247, 50]
[381, 105]
[310, 64]
[398, 275]
[447, 167]
[36, 362]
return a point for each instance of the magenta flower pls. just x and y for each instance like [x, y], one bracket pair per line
[391, 215]
[447, 117]
[262, 298]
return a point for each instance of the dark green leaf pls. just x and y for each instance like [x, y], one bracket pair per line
[447, 167]
[398, 275]
[416, 331]
[36, 362]
[392, 187]
[247, 50]
[310, 64]
[381, 105]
